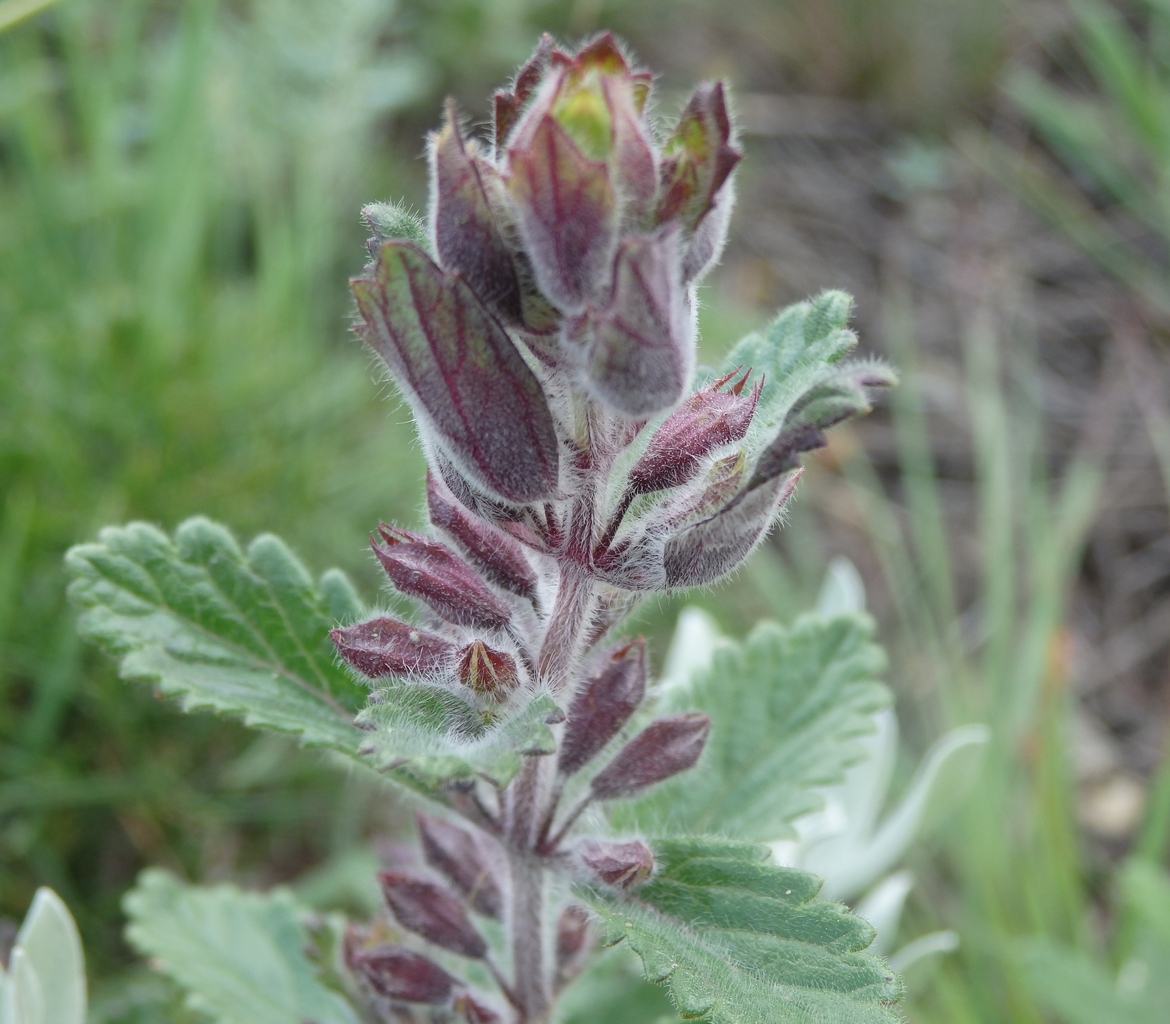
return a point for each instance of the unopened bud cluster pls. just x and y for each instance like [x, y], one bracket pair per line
[542, 329]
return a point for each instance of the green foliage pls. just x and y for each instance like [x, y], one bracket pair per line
[800, 359]
[243, 634]
[434, 737]
[241, 956]
[738, 941]
[45, 978]
[1082, 991]
[786, 706]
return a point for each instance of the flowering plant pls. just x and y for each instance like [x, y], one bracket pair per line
[541, 327]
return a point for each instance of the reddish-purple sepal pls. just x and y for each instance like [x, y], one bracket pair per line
[664, 748]
[710, 419]
[640, 345]
[602, 705]
[472, 1010]
[510, 102]
[433, 912]
[698, 159]
[566, 210]
[496, 554]
[713, 547]
[467, 233]
[466, 859]
[574, 942]
[386, 647]
[465, 379]
[423, 568]
[395, 972]
[486, 671]
[622, 864]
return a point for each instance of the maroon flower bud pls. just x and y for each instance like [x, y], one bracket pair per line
[433, 912]
[466, 382]
[432, 572]
[467, 235]
[620, 864]
[465, 859]
[474, 1011]
[487, 671]
[711, 548]
[706, 421]
[500, 558]
[664, 748]
[387, 647]
[566, 211]
[573, 943]
[639, 346]
[581, 162]
[602, 705]
[398, 973]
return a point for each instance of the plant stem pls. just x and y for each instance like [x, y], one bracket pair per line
[530, 976]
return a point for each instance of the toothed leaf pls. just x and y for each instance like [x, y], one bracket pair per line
[238, 632]
[239, 956]
[786, 706]
[736, 940]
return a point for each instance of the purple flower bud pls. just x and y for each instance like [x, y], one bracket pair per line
[474, 1011]
[486, 670]
[706, 421]
[581, 162]
[573, 943]
[398, 973]
[639, 346]
[433, 912]
[602, 705]
[499, 557]
[467, 235]
[566, 211]
[664, 748]
[713, 547]
[430, 571]
[464, 378]
[620, 864]
[386, 647]
[465, 858]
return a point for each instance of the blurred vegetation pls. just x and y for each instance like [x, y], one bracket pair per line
[178, 188]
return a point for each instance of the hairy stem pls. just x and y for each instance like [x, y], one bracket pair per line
[530, 974]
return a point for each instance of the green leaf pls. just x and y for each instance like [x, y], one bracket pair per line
[738, 941]
[220, 629]
[432, 736]
[786, 707]
[805, 382]
[239, 955]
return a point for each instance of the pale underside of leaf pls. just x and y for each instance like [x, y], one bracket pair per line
[787, 706]
[240, 956]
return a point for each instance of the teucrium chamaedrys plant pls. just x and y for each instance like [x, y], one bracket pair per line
[541, 327]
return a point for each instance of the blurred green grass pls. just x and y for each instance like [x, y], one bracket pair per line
[178, 185]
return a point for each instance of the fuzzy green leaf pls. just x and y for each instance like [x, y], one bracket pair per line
[240, 956]
[786, 707]
[242, 633]
[432, 736]
[739, 941]
[807, 385]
